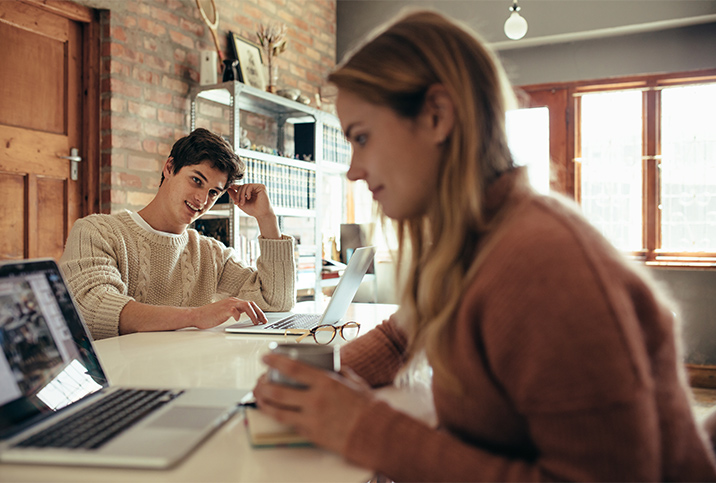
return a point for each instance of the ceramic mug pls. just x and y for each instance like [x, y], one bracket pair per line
[322, 356]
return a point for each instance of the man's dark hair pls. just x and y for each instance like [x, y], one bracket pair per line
[203, 145]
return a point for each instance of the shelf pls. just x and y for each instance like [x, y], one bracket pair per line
[255, 100]
[272, 158]
[225, 212]
[285, 212]
[213, 214]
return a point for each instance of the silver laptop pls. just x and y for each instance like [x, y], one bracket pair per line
[335, 310]
[56, 405]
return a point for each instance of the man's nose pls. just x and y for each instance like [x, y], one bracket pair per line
[201, 197]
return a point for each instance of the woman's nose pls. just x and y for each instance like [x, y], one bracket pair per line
[355, 172]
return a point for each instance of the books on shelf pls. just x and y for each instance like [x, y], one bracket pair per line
[288, 187]
[336, 148]
[306, 258]
[266, 432]
[332, 269]
[247, 249]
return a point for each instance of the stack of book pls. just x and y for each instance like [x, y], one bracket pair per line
[336, 148]
[332, 269]
[265, 432]
[288, 186]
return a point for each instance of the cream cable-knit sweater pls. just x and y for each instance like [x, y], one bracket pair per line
[110, 260]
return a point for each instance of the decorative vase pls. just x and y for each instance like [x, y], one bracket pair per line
[272, 80]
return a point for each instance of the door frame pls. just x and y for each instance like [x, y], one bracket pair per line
[90, 128]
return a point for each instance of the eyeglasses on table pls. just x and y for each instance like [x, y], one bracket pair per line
[324, 334]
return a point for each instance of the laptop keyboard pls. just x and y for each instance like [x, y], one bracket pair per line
[296, 321]
[101, 421]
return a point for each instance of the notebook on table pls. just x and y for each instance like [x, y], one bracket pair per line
[335, 310]
[56, 404]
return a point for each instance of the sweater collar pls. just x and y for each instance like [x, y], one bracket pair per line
[137, 218]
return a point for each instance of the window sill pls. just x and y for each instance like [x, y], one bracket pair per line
[682, 264]
[673, 260]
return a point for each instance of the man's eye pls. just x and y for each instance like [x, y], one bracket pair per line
[361, 139]
[196, 180]
[213, 193]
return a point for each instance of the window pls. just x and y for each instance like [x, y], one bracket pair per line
[528, 138]
[611, 165]
[640, 158]
[688, 168]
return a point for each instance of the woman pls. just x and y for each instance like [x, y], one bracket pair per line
[552, 357]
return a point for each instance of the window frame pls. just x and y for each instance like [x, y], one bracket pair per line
[564, 103]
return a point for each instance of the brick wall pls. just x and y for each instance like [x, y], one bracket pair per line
[150, 60]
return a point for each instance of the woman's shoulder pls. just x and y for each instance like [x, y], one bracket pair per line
[553, 227]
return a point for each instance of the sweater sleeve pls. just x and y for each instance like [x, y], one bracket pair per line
[271, 285]
[378, 355]
[90, 266]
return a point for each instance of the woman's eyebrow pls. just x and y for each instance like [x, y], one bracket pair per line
[347, 131]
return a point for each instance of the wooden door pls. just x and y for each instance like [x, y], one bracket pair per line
[40, 119]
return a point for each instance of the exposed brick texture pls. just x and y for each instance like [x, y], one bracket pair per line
[150, 60]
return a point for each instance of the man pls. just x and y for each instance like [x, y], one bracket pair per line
[146, 271]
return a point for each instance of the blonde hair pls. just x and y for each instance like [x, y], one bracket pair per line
[395, 69]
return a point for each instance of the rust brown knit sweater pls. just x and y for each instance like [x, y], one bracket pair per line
[568, 361]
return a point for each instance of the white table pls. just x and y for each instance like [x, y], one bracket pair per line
[209, 358]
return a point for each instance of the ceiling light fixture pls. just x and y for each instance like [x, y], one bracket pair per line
[515, 25]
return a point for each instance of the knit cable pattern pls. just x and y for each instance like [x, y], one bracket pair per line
[143, 279]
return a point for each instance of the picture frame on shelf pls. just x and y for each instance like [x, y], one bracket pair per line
[251, 65]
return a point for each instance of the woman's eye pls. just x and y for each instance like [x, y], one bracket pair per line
[361, 139]
[196, 180]
[213, 193]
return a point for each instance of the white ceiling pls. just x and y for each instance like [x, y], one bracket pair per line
[549, 21]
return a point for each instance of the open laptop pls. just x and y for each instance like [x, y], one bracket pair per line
[55, 398]
[335, 310]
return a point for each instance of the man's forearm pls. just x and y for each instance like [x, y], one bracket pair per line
[139, 317]
[268, 226]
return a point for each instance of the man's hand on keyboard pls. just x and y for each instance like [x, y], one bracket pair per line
[219, 312]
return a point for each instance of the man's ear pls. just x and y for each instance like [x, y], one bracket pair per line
[441, 111]
[168, 168]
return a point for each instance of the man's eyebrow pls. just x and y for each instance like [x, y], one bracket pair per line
[201, 175]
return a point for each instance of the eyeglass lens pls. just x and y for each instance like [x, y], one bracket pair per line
[350, 330]
[324, 334]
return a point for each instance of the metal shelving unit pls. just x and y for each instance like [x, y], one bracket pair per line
[238, 97]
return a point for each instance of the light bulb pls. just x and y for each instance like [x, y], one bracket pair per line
[515, 25]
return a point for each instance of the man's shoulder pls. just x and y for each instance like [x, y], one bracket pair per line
[103, 222]
[101, 218]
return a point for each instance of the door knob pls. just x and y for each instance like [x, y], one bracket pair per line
[75, 159]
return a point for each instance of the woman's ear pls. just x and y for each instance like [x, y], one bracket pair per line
[441, 111]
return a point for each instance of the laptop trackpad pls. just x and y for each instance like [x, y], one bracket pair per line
[187, 418]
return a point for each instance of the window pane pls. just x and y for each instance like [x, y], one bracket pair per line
[528, 138]
[688, 168]
[611, 127]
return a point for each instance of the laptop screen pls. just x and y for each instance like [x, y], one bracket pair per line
[47, 360]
